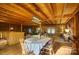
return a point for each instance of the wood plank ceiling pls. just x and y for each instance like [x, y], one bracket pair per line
[49, 13]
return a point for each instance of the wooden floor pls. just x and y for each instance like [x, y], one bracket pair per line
[11, 50]
[16, 49]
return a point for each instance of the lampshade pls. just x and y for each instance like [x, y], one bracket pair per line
[67, 30]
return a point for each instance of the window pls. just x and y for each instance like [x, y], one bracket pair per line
[51, 30]
[30, 30]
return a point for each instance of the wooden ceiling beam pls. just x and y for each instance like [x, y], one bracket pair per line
[39, 10]
[64, 16]
[13, 20]
[10, 13]
[14, 8]
[73, 14]
[5, 18]
[38, 13]
[23, 13]
[49, 7]
[13, 14]
[53, 9]
[3, 21]
[62, 13]
[45, 10]
[8, 16]
[30, 8]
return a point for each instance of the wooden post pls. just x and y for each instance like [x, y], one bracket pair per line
[9, 27]
[21, 28]
[40, 30]
[75, 33]
[74, 27]
[22, 42]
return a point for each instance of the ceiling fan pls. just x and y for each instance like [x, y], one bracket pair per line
[36, 20]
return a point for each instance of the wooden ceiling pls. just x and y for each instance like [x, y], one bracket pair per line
[49, 13]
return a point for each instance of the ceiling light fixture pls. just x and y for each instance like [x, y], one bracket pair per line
[36, 20]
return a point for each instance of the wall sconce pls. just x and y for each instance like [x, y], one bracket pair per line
[11, 28]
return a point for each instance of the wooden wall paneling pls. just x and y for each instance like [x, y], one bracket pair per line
[4, 26]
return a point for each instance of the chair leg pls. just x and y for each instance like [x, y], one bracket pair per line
[22, 46]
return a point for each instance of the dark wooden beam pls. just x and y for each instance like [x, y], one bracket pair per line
[76, 10]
